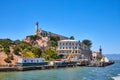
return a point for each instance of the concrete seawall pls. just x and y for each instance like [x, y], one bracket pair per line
[27, 68]
[44, 67]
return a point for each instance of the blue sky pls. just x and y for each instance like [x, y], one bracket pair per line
[97, 20]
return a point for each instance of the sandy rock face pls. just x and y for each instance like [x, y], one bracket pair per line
[40, 42]
[2, 57]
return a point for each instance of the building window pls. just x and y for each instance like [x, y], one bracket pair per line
[66, 43]
[72, 43]
[59, 43]
[63, 43]
[66, 47]
[25, 61]
[60, 47]
[69, 43]
[37, 60]
[75, 51]
[63, 47]
[75, 43]
[69, 47]
[31, 60]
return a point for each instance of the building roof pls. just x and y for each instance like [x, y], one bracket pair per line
[68, 40]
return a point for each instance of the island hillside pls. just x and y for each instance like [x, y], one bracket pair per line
[31, 46]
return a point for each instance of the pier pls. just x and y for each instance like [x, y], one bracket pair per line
[5, 68]
[27, 68]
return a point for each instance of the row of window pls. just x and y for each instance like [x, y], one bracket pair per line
[33, 61]
[69, 48]
[68, 44]
[68, 52]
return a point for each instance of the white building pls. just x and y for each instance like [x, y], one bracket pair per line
[66, 46]
[30, 60]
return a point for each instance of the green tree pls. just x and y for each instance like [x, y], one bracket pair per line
[27, 53]
[17, 42]
[1, 48]
[72, 37]
[37, 52]
[16, 50]
[53, 41]
[6, 43]
[24, 45]
[54, 38]
[7, 50]
[87, 42]
[7, 60]
[11, 57]
[50, 54]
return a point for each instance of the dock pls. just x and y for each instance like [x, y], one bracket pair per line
[6, 68]
[28, 68]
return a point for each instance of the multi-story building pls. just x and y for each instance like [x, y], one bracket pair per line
[44, 33]
[65, 47]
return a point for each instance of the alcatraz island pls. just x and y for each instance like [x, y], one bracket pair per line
[48, 50]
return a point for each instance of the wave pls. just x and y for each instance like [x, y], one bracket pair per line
[116, 77]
